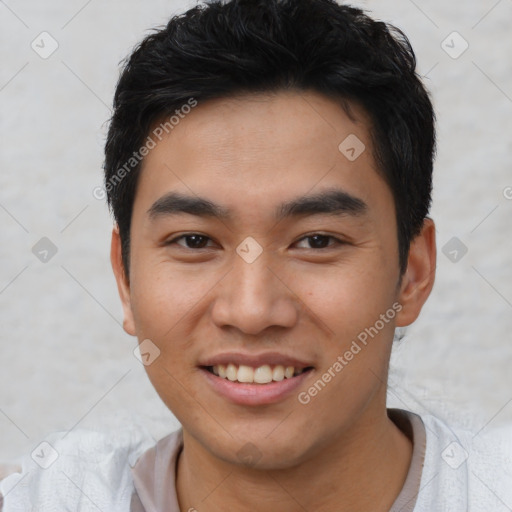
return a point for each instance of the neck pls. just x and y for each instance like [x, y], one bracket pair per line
[370, 462]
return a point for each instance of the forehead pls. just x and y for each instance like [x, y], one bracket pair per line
[251, 152]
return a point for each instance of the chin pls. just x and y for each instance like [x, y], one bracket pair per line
[262, 452]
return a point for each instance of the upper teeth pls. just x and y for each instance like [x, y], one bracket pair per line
[261, 375]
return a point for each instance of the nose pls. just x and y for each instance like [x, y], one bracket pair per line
[254, 296]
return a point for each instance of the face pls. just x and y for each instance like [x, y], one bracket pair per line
[257, 245]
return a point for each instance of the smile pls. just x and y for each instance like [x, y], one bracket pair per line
[263, 374]
[252, 393]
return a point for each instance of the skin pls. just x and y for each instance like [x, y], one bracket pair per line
[249, 154]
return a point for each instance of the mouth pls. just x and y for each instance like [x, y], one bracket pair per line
[263, 374]
[245, 379]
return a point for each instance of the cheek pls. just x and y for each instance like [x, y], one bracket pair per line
[164, 299]
[349, 299]
[166, 305]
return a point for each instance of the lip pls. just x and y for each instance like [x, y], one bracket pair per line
[255, 360]
[254, 394]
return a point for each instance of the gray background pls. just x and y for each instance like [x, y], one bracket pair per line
[67, 363]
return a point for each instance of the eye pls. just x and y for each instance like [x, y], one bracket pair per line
[192, 241]
[198, 241]
[320, 241]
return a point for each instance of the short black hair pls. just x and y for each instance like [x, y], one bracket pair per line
[225, 48]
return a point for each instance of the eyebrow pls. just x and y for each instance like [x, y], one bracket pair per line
[329, 202]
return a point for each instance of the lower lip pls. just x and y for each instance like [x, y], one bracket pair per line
[255, 394]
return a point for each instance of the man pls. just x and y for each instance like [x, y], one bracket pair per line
[269, 168]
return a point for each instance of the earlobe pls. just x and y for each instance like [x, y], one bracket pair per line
[123, 285]
[418, 280]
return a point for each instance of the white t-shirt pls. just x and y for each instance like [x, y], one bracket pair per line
[451, 470]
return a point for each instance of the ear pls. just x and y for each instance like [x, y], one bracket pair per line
[123, 286]
[418, 279]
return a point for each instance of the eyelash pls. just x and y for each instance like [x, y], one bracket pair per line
[337, 241]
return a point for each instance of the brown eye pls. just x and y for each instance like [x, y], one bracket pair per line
[192, 241]
[319, 241]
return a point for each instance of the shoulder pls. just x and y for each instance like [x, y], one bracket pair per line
[466, 468]
[486, 445]
[154, 473]
[79, 470]
[161, 455]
